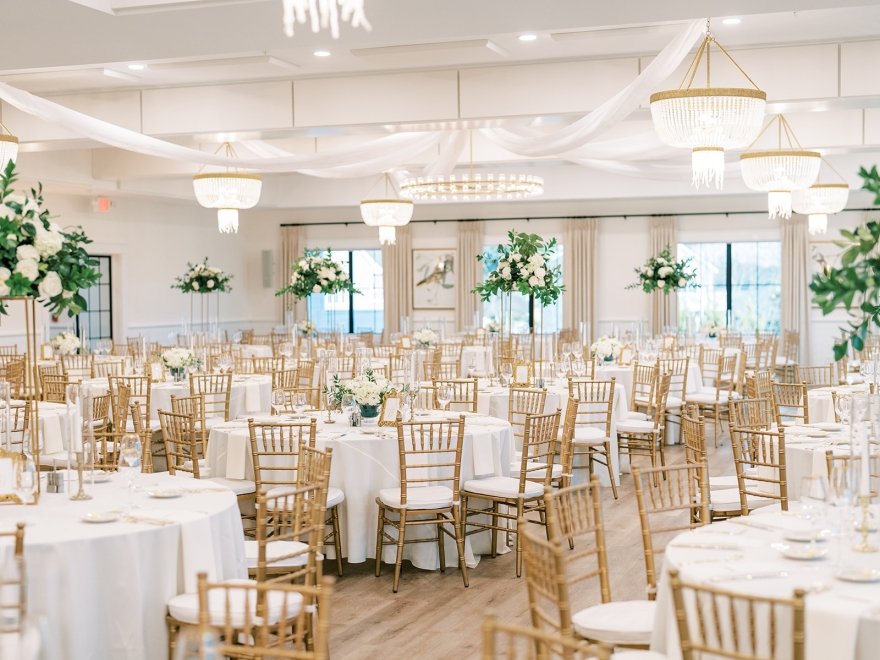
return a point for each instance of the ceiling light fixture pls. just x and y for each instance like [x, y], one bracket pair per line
[473, 186]
[731, 20]
[821, 200]
[527, 37]
[387, 214]
[8, 147]
[708, 119]
[322, 53]
[324, 14]
[228, 192]
[780, 171]
[135, 66]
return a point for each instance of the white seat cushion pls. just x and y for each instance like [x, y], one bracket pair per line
[155, 425]
[237, 486]
[635, 426]
[536, 472]
[709, 397]
[623, 622]
[185, 607]
[589, 435]
[642, 401]
[673, 402]
[335, 496]
[503, 487]
[632, 414]
[425, 497]
[277, 549]
[725, 482]
[725, 501]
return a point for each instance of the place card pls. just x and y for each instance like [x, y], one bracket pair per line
[390, 408]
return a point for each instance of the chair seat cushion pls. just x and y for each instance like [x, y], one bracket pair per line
[623, 622]
[725, 501]
[635, 426]
[335, 496]
[709, 397]
[589, 435]
[155, 425]
[424, 497]
[725, 482]
[503, 487]
[632, 414]
[673, 402]
[237, 486]
[185, 607]
[294, 553]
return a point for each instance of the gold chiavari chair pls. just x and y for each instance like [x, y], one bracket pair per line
[786, 363]
[120, 350]
[305, 373]
[137, 424]
[14, 373]
[639, 437]
[194, 406]
[815, 376]
[139, 392]
[13, 585]
[284, 379]
[505, 641]
[521, 492]
[644, 384]
[670, 499]
[106, 454]
[574, 515]
[53, 369]
[730, 340]
[451, 352]
[759, 457]
[108, 367]
[759, 385]
[708, 363]
[752, 413]
[242, 365]
[791, 403]
[217, 389]
[523, 401]
[677, 368]
[717, 623]
[693, 432]
[432, 364]
[55, 388]
[594, 401]
[384, 350]
[9, 349]
[399, 368]
[20, 422]
[78, 367]
[853, 466]
[842, 366]
[430, 466]
[714, 403]
[267, 365]
[463, 393]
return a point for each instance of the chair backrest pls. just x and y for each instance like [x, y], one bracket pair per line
[759, 456]
[714, 622]
[463, 391]
[193, 405]
[430, 454]
[815, 376]
[524, 401]
[275, 451]
[595, 405]
[539, 448]
[644, 382]
[139, 392]
[725, 374]
[289, 620]
[693, 433]
[13, 605]
[217, 389]
[759, 384]
[182, 443]
[55, 387]
[108, 367]
[791, 403]
[305, 373]
[78, 367]
[267, 365]
[14, 373]
[853, 464]
[670, 499]
[677, 368]
[283, 379]
[506, 641]
[752, 413]
[19, 423]
[657, 409]
[137, 423]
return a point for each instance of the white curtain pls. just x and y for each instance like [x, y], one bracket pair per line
[664, 307]
[290, 252]
[580, 272]
[470, 272]
[397, 278]
[795, 279]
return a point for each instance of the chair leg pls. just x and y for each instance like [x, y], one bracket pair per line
[610, 470]
[441, 543]
[459, 543]
[380, 530]
[494, 529]
[401, 534]
[337, 539]
[519, 513]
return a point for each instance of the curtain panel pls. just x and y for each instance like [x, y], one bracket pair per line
[397, 279]
[580, 273]
[470, 273]
[795, 298]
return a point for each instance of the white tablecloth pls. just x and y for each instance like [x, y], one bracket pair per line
[255, 350]
[102, 588]
[841, 617]
[365, 463]
[820, 403]
[477, 357]
[805, 455]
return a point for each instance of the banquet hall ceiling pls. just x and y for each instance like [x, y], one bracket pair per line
[78, 52]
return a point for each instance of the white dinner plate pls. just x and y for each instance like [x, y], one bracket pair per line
[165, 493]
[854, 574]
[100, 517]
[101, 477]
[805, 535]
[804, 552]
[826, 426]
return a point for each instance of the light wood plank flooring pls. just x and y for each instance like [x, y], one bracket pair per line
[434, 616]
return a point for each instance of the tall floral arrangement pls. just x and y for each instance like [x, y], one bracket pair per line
[66, 343]
[522, 265]
[38, 259]
[202, 278]
[664, 273]
[315, 273]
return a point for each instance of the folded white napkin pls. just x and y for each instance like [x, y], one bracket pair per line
[237, 449]
[252, 396]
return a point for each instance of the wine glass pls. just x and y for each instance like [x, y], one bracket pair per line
[413, 396]
[25, 479]
[279, 399]
[444, 396]
[130, 461]
[579, 368]
[814, 494]
[349, 406]
[577, 349]
[506, 374]
[299, 403]
[842, 405]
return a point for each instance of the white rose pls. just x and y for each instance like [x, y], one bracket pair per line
[27, 253]
[195, 286]
[28, 268]
[51, 285]
[649, 272]
[665, 271]
[210, 284]
[47, 243]
[682, 282]
[534, 280]
[294, 277]
[12, 238]
[316, 288]
[343, 276]
[331, 276]
[67, 294]
[540, 272]
[302, 263]
[4, 274]
[505, 273]
[516, 256]
[661, 283]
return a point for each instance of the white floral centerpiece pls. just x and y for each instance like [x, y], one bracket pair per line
[317, 273]
[493, 326]
[66, 343]
[202, 278]
[369, 391]
[425, 338]
[664, 273]
[522, 265]
[305, 328]
[37, 258]
[176, 360]
[712, 329]
[606, 348]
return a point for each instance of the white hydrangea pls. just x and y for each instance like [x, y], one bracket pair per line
[316, 288]
[682, 282]
[661, 283]
[665, 271]
[605, 347]
[196, 286]
[65, 343]
[178, 358]
[534, 280]
[50, 285]
[210, 284]
[27, 253]
[425, 337]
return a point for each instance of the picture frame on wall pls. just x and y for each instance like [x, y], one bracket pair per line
[434, 279]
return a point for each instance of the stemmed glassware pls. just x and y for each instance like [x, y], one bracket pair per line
[329, 399]
[814, 494]
[299, 403]
[579, 368]
[279, 400]
[349, 406]
[577, 350]
[842, 406]
[444, 396]
[130, 461]
[842, 495]
[506, 374]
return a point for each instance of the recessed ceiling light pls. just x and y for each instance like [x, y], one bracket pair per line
[731, 21]
[134, 66]
[528, 37]
[322, 53]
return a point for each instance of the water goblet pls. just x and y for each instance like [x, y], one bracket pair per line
[577, 349]
[814, 494]
[444, 396]
[506, 374]
[279, 400]
[299, 403]
[130, 461]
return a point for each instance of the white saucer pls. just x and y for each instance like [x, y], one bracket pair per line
[165, 493]
[826, 426]
[100, 517]
[853, 574]
[802, 552]
[805, 535]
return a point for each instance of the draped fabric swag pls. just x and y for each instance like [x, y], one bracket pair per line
[470, 272]
[291, 250]
[580, 263]
[795, 313]
[397, 277]
[664, 307]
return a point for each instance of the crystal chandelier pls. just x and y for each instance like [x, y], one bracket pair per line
[324, 14]
[386, 214]
[818, 202]
[228, 192]
[707, 120]
[780, 171]
[473, 186]
[8, 147]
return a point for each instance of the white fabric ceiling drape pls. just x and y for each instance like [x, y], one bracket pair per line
[470, 272]
[795, 279]
[664, 306]
[397, 279]
[580, 273]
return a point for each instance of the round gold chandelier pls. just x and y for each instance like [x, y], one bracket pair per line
[228, 192]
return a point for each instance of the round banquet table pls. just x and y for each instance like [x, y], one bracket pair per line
[820, 403]
[363, 463]
[744, 555]
[101, 589]
[250, 394]
[255, 350]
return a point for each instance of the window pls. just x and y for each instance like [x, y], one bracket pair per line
[363, 312]
[740, 286]
[97, 321]
[526, 313]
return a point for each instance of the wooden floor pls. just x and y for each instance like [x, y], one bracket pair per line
[434, 616]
